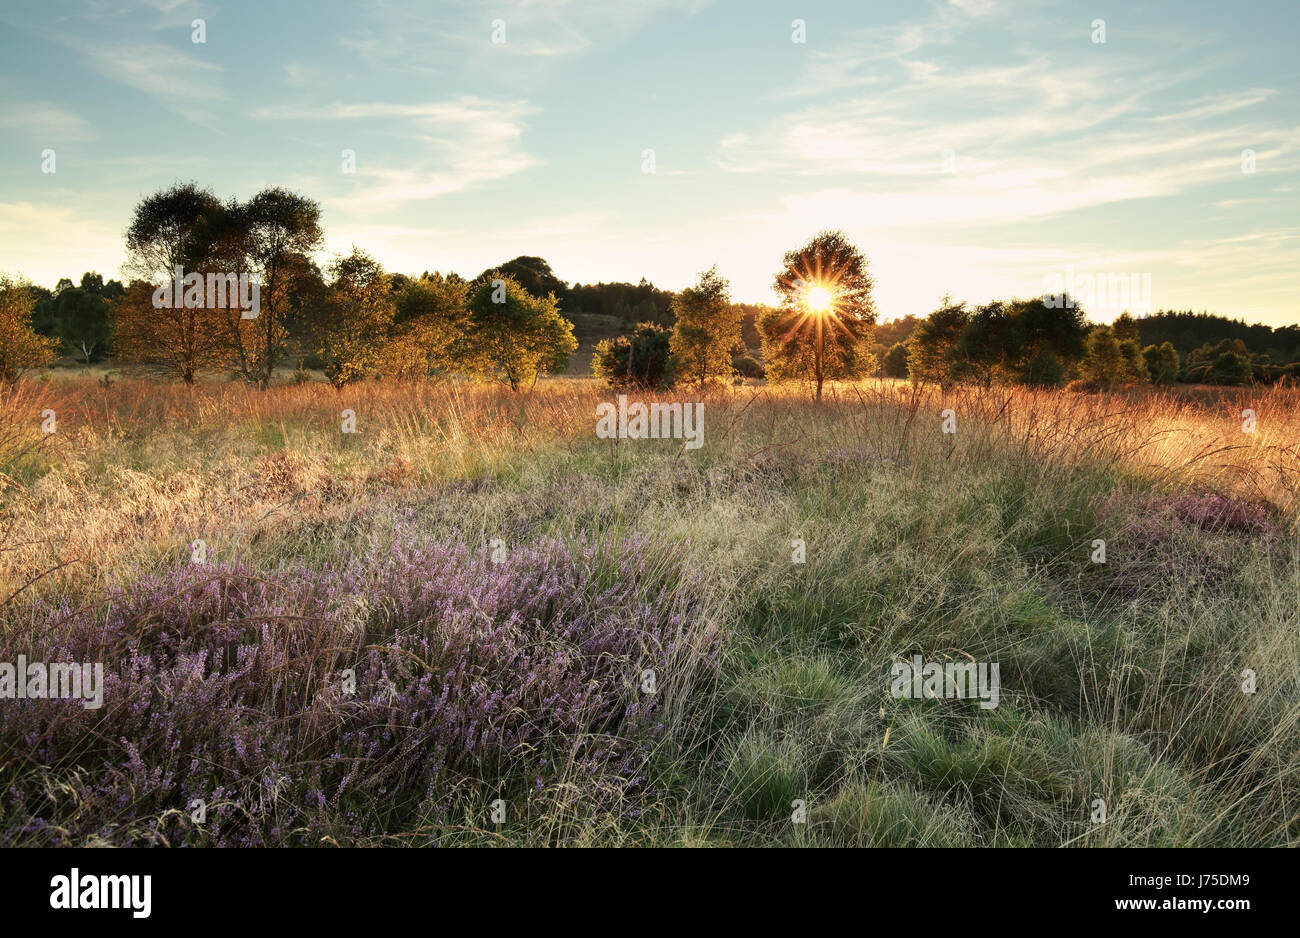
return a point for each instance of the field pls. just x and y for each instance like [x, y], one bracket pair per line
[473, 622]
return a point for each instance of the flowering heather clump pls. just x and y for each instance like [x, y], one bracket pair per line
[234, 689]
[1215, 512]
[1164, 540]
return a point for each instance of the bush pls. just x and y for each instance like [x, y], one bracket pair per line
[1044, 370]
[894, 364]
[747, 365]
[641, 360]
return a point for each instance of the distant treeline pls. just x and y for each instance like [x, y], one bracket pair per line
[1045, 343]
[519, 320]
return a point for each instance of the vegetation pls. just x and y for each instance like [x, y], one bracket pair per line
[437, 608]
[706, 330]
[21, 347]
[640, 360]
[224, 681]
[822, 327]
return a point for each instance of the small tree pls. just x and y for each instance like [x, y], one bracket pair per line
[822, 327]
[1125, 328]
[171, 336]
[280, 230]
[895, 362]
[513, 336]
[642, 360]
[1162, 362]
[429, 326]
[83, 321]
[21, 347]
[985, 350]
[707, 329]
[1135, 366]
[176, 341]
[1230, 368]
[352, 325]
[1105, 364]
[933, 351]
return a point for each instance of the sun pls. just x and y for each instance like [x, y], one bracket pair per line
[819, 299]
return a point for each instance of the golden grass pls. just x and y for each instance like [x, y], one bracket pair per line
[138, 468]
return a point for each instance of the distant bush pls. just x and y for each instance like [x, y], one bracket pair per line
[747, 365]
[1230, 368]
[641, 360]
[1044, 370]
[894, 363]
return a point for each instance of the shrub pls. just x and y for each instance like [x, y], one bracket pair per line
[641, 360]
[232, 688]
[747, 365]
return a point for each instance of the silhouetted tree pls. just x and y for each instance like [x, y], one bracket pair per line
[934, 353]
[1162, 362]
[800, 343]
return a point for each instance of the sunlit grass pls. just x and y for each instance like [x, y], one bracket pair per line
[1120, 681]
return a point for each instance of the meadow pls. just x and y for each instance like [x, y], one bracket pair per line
[474, 622]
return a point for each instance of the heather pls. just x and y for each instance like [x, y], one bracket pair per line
[1122, 681]
[228, 687]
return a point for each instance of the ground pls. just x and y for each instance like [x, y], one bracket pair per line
[557, 639]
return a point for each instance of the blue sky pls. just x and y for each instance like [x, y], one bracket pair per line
[975, 147]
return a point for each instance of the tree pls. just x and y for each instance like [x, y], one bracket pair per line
[280, 229]
[1162, 362]
[532, 273]
[1105, 364]
[513, 336]
[83, 320]
[1230, 368]
[934, 351]
[429, 326]
[1135, 366]
[350, 330]
[164, 229]
[641, 360]
[1225, 362]
[178, 342]
[170, 335]
[706, 331]
[984, 350]
[267, 240]
[1125, 328]
[45, 316]
[895, 363]
[21, 347]
[822, 327]
[1037, 329]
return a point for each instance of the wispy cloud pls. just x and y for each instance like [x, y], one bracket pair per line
[43, 122]
[467, 141]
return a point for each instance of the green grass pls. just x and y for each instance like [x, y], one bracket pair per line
[1120, 682]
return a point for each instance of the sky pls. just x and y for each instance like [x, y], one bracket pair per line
[979, 148]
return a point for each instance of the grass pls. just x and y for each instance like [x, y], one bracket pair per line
[1120, 681]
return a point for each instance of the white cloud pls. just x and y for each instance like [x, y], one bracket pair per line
[468, 141]
[44, 122]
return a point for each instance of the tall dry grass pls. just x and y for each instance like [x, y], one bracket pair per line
[1120, 679]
